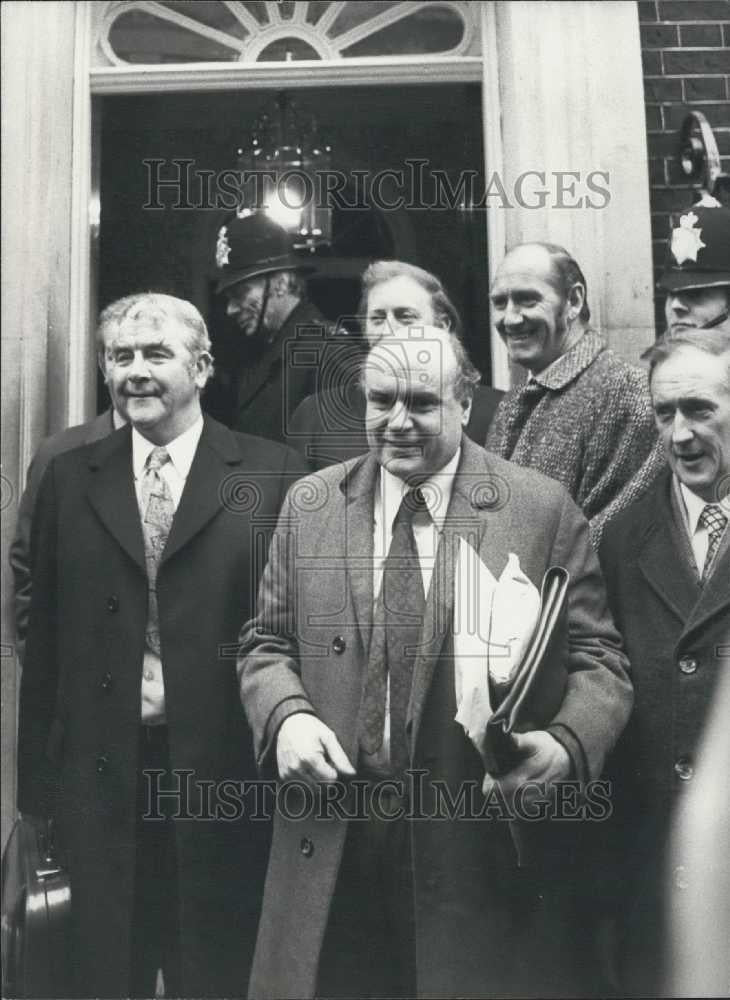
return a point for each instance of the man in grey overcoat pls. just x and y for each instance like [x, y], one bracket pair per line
[386, 904]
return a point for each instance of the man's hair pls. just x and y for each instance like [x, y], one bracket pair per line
[567, 273]
[445, 312]
[714, 342]
[156, 309]
[466, 377]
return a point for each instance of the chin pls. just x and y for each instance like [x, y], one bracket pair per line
[402, 466]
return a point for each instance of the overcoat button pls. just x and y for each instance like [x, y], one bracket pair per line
[684, 769]
[112, 603]
[338, 644]
[102, 762]
[688, 665]
[107, 681]
[306, 847]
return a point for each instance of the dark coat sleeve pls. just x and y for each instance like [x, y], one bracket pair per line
[19, 554]
[40, 731]
[599, 695]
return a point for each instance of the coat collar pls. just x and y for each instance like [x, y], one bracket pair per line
[100, 427]
[112, 495]
[571, 364]
[304, 317]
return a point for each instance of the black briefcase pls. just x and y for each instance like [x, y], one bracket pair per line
[36, 911]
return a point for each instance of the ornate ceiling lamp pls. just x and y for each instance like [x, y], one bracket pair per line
[283, 168]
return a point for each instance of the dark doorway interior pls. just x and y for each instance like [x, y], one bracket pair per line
[371, 129]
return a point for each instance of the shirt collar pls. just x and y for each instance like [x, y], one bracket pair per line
[391, 491]
[693, 506]
[181, 450]
[569, 365]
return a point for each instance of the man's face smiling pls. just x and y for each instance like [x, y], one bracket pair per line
[691, 397]
[154, 378]
[692, 308]
[528, 311]
[414, 422]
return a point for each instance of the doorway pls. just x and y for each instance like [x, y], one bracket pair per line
[425, 142]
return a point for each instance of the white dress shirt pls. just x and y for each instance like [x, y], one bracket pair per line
[182, 452]
[427, 527]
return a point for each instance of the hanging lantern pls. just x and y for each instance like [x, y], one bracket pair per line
[283, 166]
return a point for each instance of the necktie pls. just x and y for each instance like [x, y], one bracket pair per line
[518, 408]
[159, 510]
[712, 518]
[398, 622]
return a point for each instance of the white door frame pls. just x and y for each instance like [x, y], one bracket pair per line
[94, 81]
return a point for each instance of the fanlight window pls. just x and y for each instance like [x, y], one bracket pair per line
[148, 32]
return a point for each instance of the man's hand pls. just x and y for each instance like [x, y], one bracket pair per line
[541, 759]
[309, 751]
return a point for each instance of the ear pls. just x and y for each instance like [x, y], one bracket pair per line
[101, 361]
[203, 368]
[576, 298]
[466, 405]
[279, 283]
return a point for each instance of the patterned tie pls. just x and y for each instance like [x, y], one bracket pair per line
[518, 408]
[398, 622]
[159, 510]
[712, 518]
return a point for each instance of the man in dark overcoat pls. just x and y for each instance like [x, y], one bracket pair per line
[384, 904]
[143, 560]
[667, 565]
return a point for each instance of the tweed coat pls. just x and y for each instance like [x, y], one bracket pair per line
[677, 637]
[80, 693]
[56, 444]
[591, 430]
[484, 924]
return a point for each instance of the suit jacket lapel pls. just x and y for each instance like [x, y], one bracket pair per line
[111, 492]
[205, 489]
[660, 557]
[359, 489]
[715, 594]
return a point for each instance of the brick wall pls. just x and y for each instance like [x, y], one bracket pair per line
[685, 48]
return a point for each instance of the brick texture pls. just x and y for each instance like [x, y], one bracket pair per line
[686, 59]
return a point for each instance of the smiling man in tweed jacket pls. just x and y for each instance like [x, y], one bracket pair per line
[583, 416]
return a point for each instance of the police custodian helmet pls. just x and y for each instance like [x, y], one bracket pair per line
[250, 245]
[699, 251]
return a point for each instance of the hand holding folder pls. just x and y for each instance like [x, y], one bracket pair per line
[509, 648]
[537, 690]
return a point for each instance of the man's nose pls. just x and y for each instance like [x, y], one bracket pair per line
[139, 368]
[681, 429]
[677, 304]
[399, 417]
[512, 315]
[232, 308]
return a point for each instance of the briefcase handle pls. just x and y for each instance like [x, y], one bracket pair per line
[48, 850]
